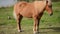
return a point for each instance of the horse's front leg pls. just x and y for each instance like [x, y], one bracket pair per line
[36, 25]
[19, 18]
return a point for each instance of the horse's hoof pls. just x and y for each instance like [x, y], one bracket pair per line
[36, 32]
[20, 31]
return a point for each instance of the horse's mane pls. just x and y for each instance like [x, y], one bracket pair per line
[39, 5]
[42, 3]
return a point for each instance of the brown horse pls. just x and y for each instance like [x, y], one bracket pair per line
[33, 10]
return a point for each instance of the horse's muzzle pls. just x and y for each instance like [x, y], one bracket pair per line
[51, 14]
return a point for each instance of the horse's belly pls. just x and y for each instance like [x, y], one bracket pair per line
[26, 14]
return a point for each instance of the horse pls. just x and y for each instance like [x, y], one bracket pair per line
[33, 10]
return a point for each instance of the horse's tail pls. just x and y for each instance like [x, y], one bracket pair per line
[14, 15]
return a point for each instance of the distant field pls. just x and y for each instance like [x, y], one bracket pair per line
[48, 24]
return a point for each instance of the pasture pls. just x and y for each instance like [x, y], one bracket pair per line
[48, 24]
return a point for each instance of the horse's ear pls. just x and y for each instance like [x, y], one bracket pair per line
[46, 1]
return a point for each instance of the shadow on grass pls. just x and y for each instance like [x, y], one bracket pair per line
[2, 24]
[57, 29]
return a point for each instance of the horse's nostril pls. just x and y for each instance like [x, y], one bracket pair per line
[51, 14]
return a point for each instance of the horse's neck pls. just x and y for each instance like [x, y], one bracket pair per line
[40, 5]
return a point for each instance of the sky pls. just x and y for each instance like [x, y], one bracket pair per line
[4, 3]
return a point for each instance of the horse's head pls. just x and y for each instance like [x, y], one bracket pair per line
[49, 7]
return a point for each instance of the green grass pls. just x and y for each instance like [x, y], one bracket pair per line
[48, 24]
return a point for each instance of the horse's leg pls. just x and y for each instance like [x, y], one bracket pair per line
[36, 25]
[19, 18]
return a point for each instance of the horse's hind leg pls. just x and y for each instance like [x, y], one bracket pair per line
[19, 18]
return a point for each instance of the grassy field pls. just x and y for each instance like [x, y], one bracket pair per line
[48, 24]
